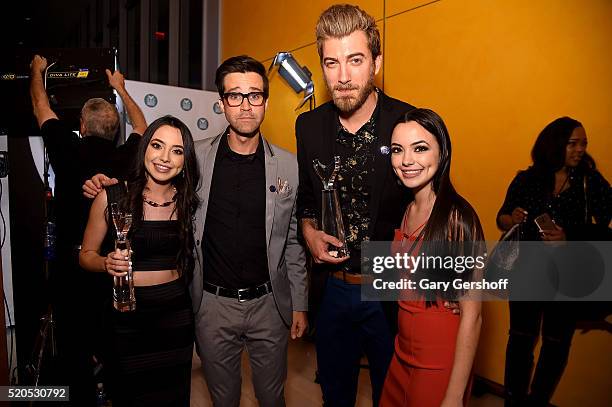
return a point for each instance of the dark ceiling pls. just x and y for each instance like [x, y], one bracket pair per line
[31, 24]
[25, 27]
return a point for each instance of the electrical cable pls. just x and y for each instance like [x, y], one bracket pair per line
[46, 69]
[8, 313]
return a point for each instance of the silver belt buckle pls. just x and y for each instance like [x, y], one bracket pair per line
[240, 291]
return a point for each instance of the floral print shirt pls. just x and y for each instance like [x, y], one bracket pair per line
[354, 182]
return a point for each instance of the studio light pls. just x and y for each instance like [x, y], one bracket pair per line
[298, 77]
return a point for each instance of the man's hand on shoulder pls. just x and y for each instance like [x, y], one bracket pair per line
[92, 187]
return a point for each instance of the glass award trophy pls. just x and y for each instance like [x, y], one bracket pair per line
[124, 299]
[331, 214]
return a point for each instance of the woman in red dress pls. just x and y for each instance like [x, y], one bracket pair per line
[434, 347]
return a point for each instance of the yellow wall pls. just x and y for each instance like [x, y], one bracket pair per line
[498, 72]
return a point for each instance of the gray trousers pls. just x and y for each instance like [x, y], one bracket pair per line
[224, 327]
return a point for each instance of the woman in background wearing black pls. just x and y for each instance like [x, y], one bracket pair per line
[563, 183]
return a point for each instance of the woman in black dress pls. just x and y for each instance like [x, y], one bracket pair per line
[150, 359]
[564, 183]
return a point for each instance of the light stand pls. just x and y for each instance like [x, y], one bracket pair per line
[45, 340]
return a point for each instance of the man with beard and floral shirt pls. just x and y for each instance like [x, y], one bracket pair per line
[356, 126]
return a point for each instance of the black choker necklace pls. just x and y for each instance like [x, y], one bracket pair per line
[159, 205]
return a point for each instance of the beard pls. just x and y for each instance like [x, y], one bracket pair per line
[349, 104]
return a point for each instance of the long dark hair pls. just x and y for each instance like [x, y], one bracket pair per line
[548, 152]
[452, 218]
[185, 183]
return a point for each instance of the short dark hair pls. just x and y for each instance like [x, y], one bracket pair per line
[240, 64]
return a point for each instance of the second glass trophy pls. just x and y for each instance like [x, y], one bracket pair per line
[331, 214]
[124, 299]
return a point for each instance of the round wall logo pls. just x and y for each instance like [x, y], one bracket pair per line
[202, 123]
[186, 104]
[217, 108]
[150, 100]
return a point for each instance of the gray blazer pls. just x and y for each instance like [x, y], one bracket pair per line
[286, 256]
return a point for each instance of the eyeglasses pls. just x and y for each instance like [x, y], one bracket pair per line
[235, 99]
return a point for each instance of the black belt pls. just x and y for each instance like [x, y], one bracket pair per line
[241, 294]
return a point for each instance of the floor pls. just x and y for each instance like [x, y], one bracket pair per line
[300, 389]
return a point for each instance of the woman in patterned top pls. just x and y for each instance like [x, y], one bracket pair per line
[563, 183]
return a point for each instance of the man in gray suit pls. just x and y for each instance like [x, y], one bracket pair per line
[249, 287]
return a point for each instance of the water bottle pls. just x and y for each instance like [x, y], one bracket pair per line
[49, 241]
[100, 396]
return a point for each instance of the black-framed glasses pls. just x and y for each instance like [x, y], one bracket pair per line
[235, 99]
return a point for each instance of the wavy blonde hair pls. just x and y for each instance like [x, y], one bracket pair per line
[341, 20]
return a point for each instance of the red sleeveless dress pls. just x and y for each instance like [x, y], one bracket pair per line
[424, 349]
